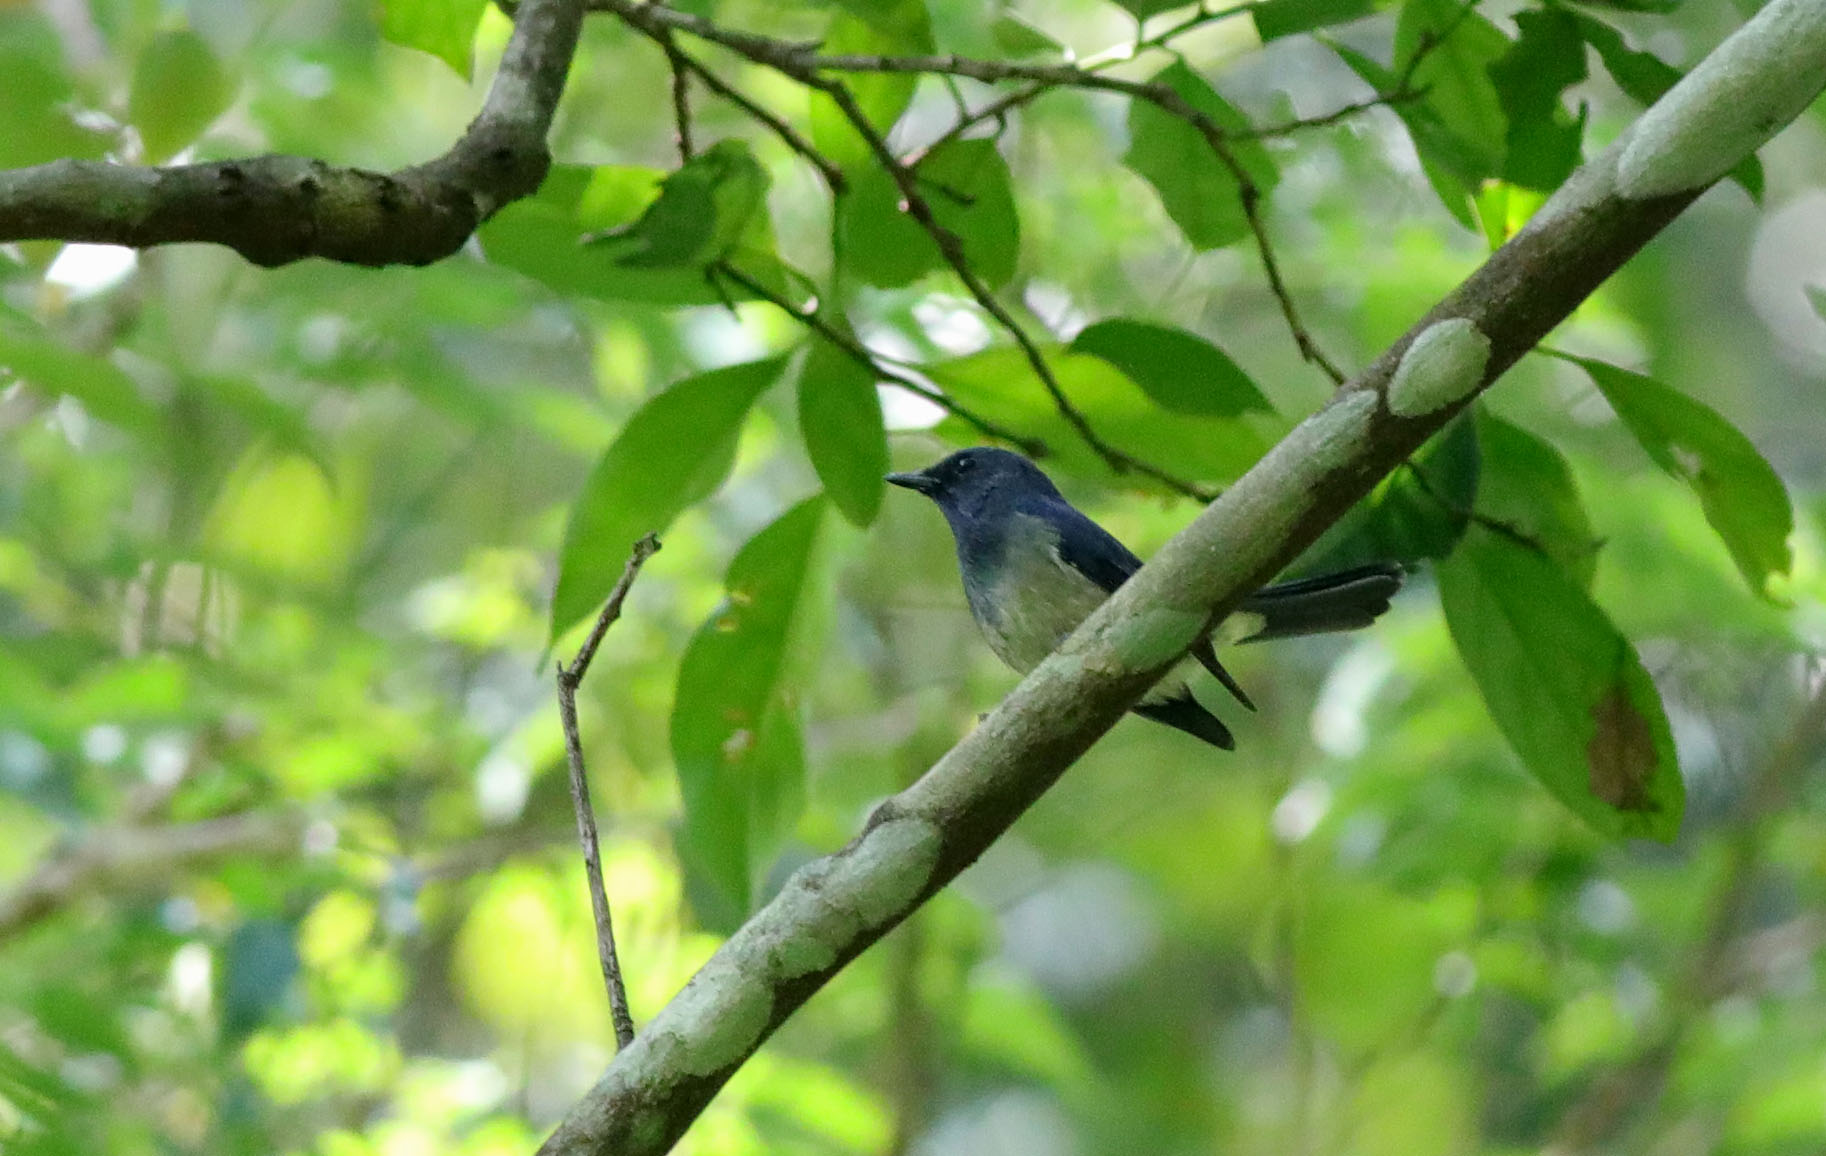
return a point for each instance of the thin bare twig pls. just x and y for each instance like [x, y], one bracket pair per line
[951, 248]
[681, 96]
[803, 62]
[569, 678]
[815, 321]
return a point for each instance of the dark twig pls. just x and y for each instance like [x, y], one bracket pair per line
[803, 63]
[569, 678]
[951, 248]
[681, 96]
[788, 135]
[815, 321]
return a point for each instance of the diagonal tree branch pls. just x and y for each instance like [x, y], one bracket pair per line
[277, 209]
[914, 844]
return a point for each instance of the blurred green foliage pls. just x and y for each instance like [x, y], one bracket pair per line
[292, 545]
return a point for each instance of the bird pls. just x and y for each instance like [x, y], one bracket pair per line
[1034, 567]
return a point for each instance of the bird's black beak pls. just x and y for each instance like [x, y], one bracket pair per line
[918, 480]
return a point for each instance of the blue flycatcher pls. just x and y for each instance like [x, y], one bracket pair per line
[1034, 568]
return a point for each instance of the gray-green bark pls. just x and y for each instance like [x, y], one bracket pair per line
[277, 209]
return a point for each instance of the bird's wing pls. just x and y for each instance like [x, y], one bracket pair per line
[1084, 545]
[1095, 553]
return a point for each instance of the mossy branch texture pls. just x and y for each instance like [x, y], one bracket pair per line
[915, 843]
[277, 209]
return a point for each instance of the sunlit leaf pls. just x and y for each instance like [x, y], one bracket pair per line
[1198, 190]
[735, 719]
[444, 28]
[966, 183]
[674, 451]
[281, 515]
[178, 89]
[1741, 495]
[1180, 370]
[1418, 512]
[999, 384]
[1565, 688]
[840, 420]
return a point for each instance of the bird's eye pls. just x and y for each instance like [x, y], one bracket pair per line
[965, 465]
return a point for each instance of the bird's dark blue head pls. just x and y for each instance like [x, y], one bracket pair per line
[979, 483]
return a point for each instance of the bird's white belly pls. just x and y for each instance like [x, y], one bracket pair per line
[1039, 599]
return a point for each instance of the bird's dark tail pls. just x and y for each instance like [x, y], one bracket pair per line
[1184, 712]
[1347, 600]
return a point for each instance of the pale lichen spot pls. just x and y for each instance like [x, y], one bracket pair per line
[1734, 100]
[717, 1020]
[882, 875]
[1445, 364]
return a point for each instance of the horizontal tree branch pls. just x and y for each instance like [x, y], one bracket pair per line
[278, 209]
[912, 845]
[134, 856]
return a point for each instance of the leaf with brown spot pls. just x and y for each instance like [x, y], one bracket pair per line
[1621, 753]
[1563, 685]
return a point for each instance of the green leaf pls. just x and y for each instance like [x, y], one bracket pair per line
[1816, 294]
[1432, 140]
[1000, 385]
[1564, 686]
[1142, 9]
[840, 420]
[1275, 19]
[1197, 189]
[178, 90]
[33, 356]
[1645, 78]
[1180, 370]
[444, 28]
[1417, 512]
[1543, 143]
[1527, 486]
[1365, 956]
[1741, 495]
[735, 719]
[897, 29]
[674, 451]
[1456, 49]
[539, 237]
[36, 96]
[1017, 38]
[967, 185]
[703, 210]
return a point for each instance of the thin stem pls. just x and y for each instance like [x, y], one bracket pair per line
[681, 96]
[569, 678]
[951, 249]
[815, 321]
